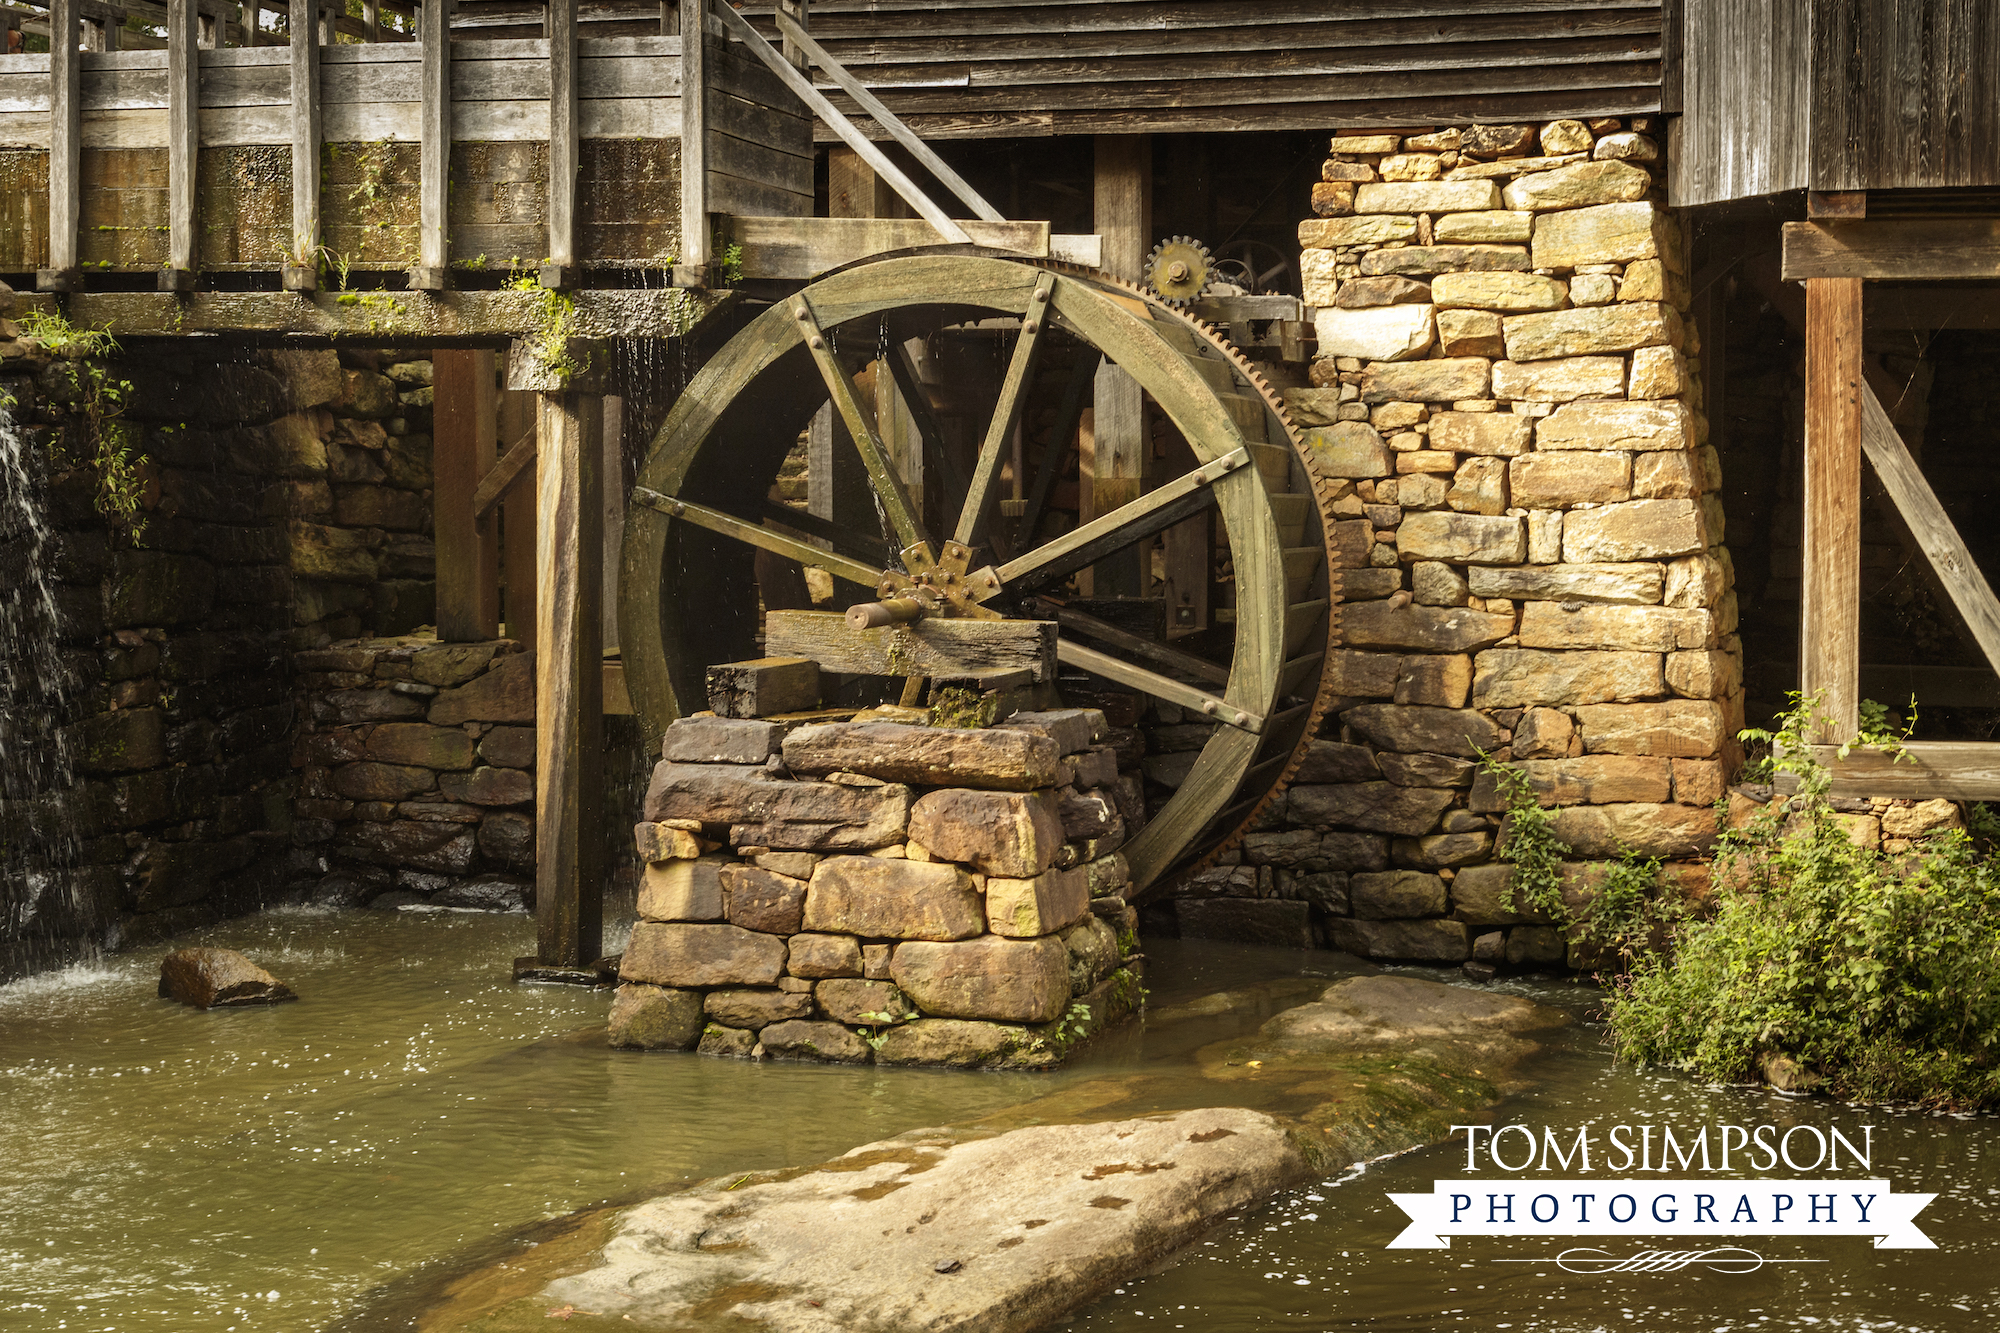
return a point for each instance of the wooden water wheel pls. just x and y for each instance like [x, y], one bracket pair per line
[705, 506]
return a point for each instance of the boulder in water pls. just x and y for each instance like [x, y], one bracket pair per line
[218, 979]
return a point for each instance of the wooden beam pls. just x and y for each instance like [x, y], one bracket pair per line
[301, 272]
[462, 444]
[1954, 770]
[561, 271]
[569, 684]
[1830, 589]
[1911, 249]
[1007, 412]
[692, 270]
[1123, 216]
[922, 648]
[752, 534]
[1931, 526]
[1159, 508]
[1090, 627]
[500, 478]
[797, 36]
[389, 319]
[853, 190]
[183, 113]
[518, 412]
[65, 148]
[1121, 672]
[799, 249]
[434, 163]
[889, 489]
[841, 125]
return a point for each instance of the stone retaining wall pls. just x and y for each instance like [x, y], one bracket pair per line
[416, 774]
[1531, 555]
[867, 890]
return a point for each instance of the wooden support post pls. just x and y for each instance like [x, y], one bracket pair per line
[253, 22]
[795, 10]
[183, 111]
[569, 684]
[518, 413]
[560, 272]
[371, 20]
[1830, 592]
[65, 149]
[463, 432]
[302, 272]
[613, 521]
[434, 167]
[1123, 215]
[692, 271]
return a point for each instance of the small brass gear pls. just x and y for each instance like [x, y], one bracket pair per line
[1179, 270]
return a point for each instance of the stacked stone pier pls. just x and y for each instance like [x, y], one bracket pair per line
[867, 890]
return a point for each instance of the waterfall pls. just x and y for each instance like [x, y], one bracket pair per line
[37, 837]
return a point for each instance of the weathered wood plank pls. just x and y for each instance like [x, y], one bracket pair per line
[923, 648]
[1895, 248]
[1830, 589]
[801, 248]
[183, 74]
[65, 122]
[463, 437]
[434, 188]
[560, 271]
[1122, 213]
[790, 172]
[569, 683]
[500, 478]
[304, 117]
[852, 137]
[773, 126]
[732, 195]
[695, 204]
[387, 319]
[1933, 529]
[1954, 770]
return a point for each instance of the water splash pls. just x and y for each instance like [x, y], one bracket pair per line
[38, 843]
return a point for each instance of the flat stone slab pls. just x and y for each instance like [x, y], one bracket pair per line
[1016, 1230]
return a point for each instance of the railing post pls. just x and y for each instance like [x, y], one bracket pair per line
[560, 272]
[434, 172]
[65, 149]
[183, 143]
[302, 273]
[692, 268]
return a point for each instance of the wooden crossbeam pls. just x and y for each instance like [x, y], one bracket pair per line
[1954, 770]
[1893, 248]
[1933, 529]
[495, 483]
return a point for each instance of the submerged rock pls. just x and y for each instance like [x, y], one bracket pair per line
[932, 1231]
[218, 979]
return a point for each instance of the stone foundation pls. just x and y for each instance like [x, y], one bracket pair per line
[813, 892]
[416, 774]
[1530, 557]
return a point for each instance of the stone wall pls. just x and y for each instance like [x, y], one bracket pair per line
[415, 774]
[1531, 554]
[867, 890]
[280, 496]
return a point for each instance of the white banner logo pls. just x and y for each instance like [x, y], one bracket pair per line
[1661, 1208]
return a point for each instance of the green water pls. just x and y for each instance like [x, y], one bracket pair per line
[270, 1169]
[165, 1170]
[1314, 1258]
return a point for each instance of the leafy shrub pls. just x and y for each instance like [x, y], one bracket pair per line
[1878, 973]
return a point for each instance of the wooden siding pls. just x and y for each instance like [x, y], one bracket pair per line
[1836, 95]
[987, 69]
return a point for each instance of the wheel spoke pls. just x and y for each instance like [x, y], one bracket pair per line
[1159, 508]
[1153, 683]
[862, 546]
[1007, 412]
[867, 439]
[1174, 659]
[731, 526]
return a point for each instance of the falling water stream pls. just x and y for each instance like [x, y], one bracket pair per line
[37, 841]
[164, 1170]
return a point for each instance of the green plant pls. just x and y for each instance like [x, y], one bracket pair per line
[94, 436]
[1783, 751]
[1879, 974]
[730, 261]
[1530, 843]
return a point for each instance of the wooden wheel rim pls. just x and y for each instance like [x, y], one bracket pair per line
[661, 632]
